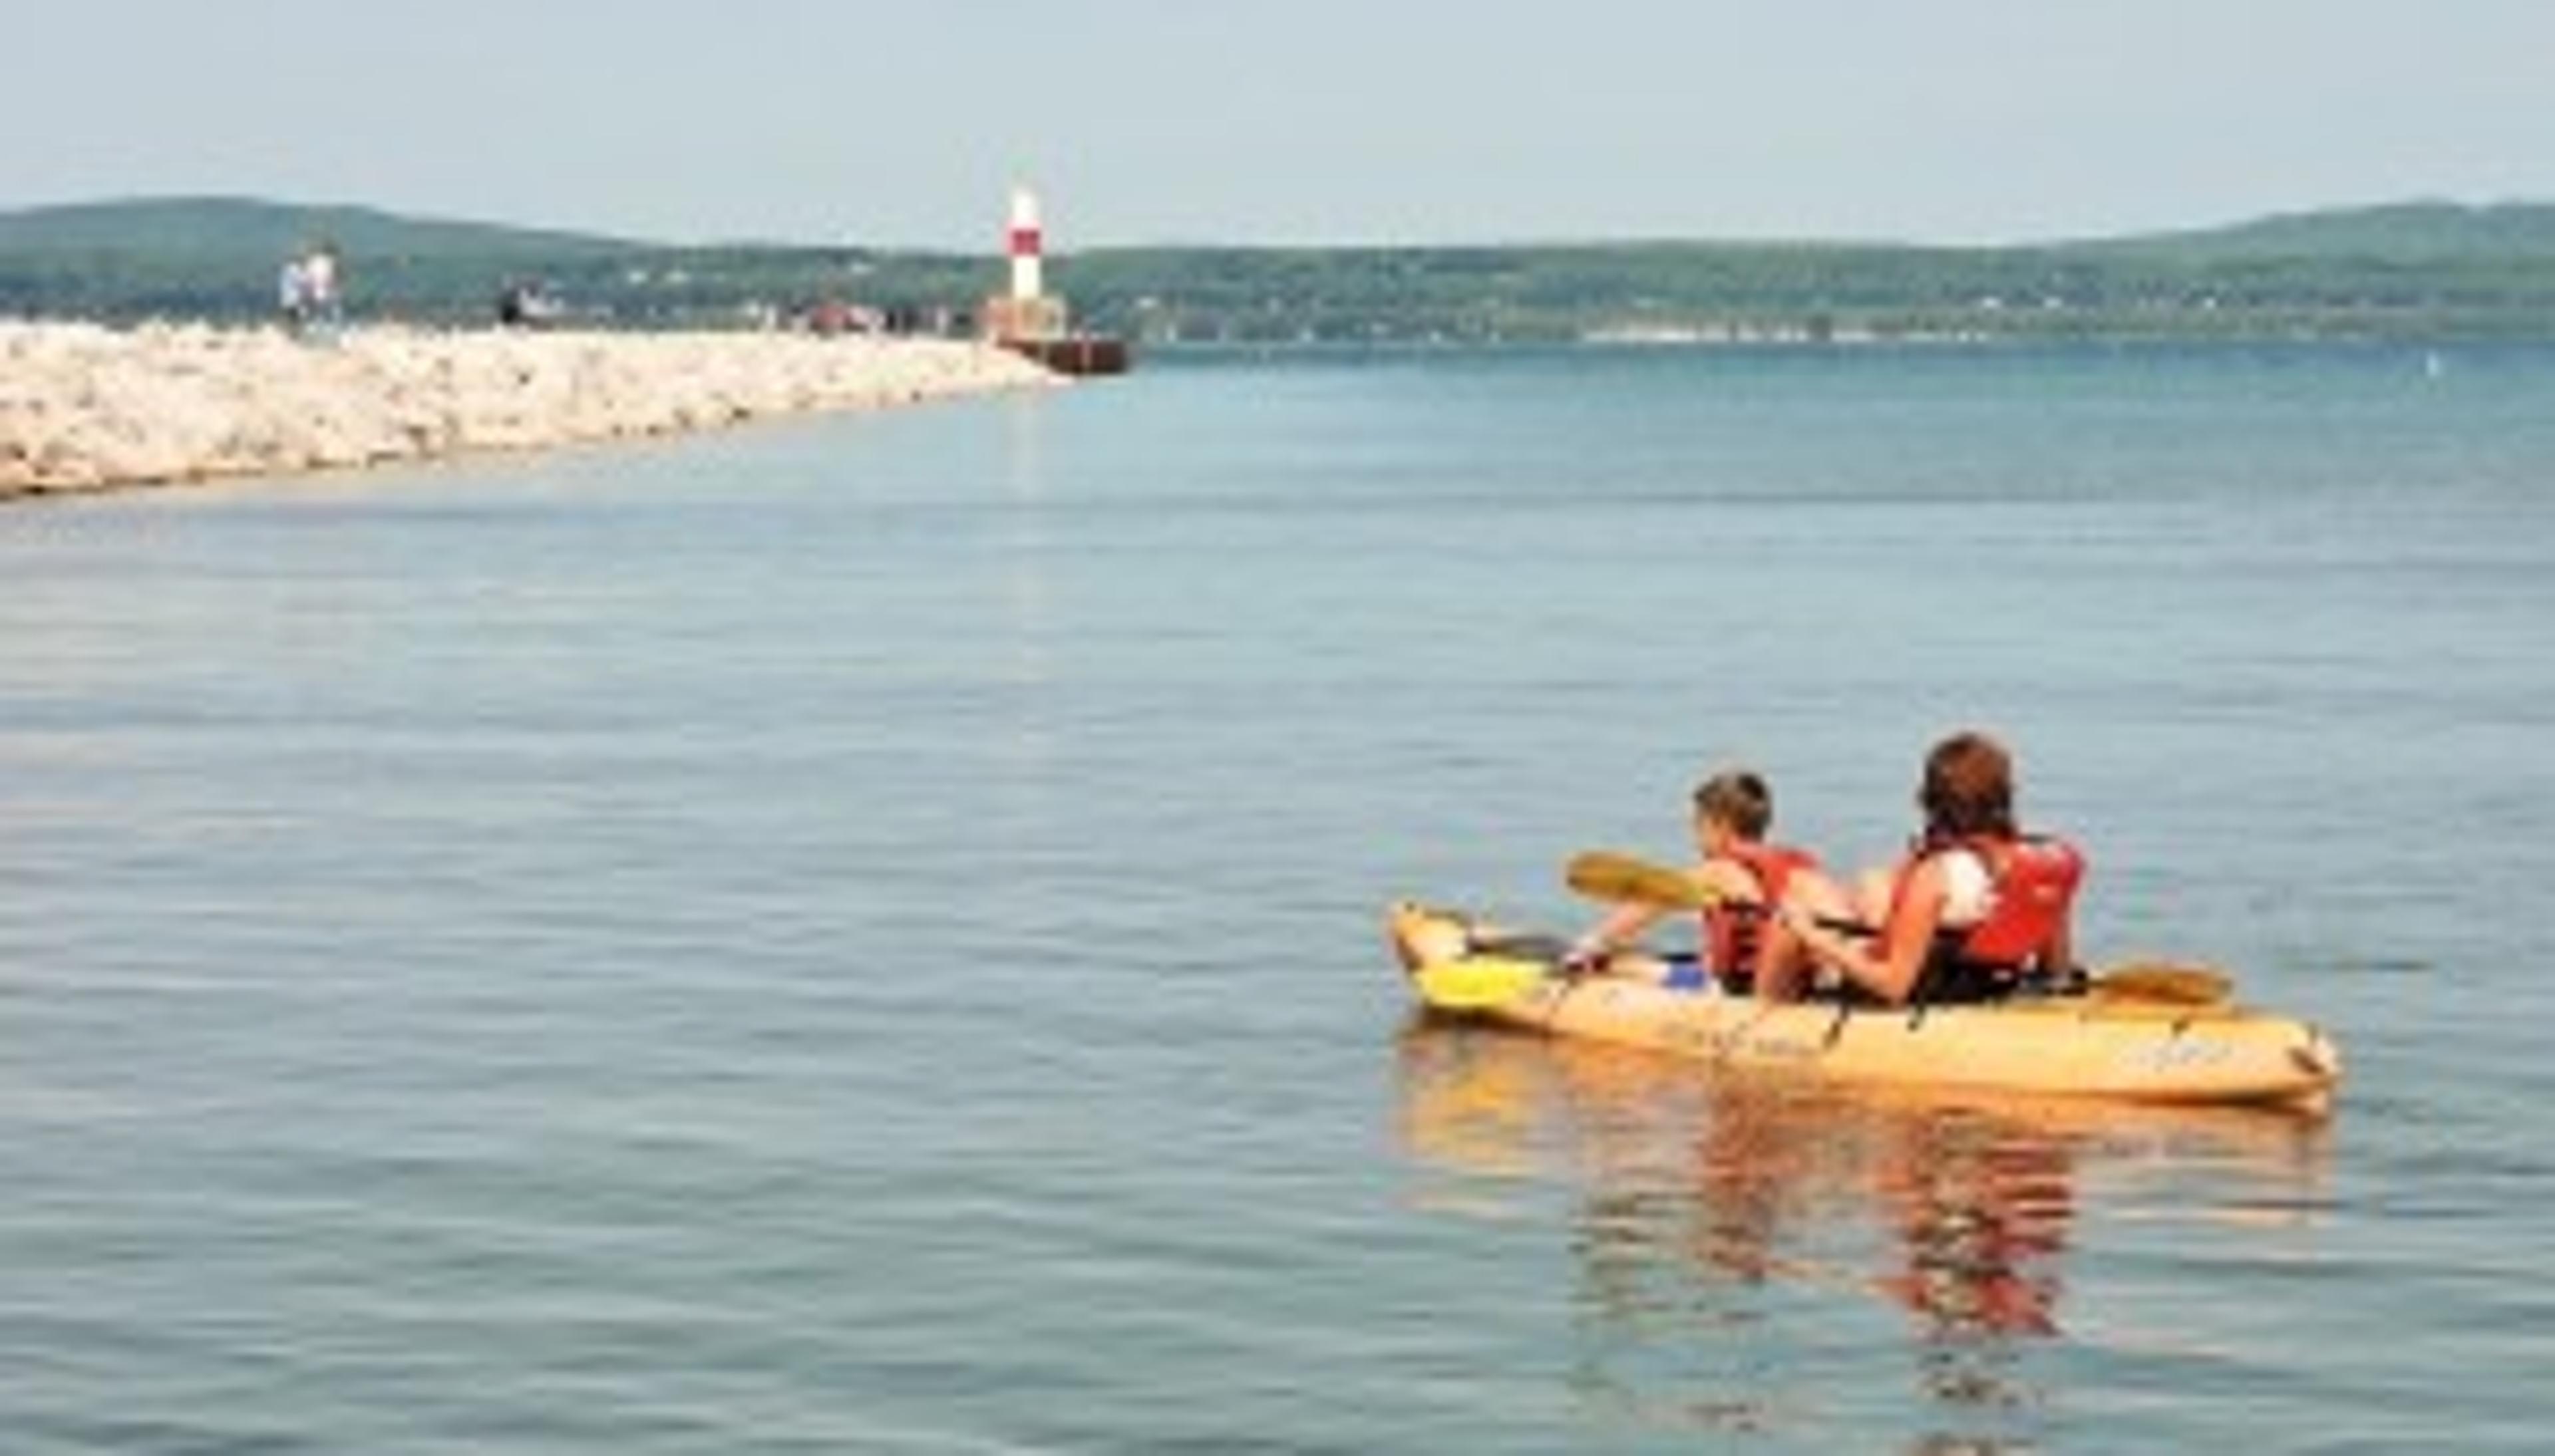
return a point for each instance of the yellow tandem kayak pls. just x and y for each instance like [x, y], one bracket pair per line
[2129, 1046]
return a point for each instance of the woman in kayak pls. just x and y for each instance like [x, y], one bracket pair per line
[1975, 910]
[1738, 869]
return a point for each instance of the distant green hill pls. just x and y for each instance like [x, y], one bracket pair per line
[217, 257]
[2424, 270]
[224, 228]
[2403, 233]
[233, 227]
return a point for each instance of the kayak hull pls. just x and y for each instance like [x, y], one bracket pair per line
[2145, 1052]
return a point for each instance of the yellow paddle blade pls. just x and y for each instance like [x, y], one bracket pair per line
[1610, 875]
[2162, 982]
[1478, 981]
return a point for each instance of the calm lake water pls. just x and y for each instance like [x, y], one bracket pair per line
[864, 934]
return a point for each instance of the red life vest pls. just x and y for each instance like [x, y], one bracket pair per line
[2031, 883]
[1731, 930]
[2029, 890]
[2034, 881]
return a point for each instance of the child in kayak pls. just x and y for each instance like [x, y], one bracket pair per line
[1737, 872]
[1975, 910]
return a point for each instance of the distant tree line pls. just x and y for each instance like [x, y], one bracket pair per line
[2409, 273]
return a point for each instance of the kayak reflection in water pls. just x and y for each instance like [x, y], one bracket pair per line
[1983, 1210]
[1980, 1209]
[1700, 1198]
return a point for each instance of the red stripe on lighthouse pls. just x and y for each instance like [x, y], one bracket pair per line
[1025, 242]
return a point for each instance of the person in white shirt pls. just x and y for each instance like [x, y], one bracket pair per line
[292, 292]
[320, 276]
[1974, 911]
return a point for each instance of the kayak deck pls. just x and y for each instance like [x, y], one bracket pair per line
[2094, 1046]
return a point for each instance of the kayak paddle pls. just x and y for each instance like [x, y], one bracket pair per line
[1612, 875]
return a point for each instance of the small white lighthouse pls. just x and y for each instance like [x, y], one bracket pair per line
[1029, 321]
[1027, 248]
[1025, 313]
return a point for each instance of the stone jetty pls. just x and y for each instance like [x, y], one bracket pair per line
[87, 407]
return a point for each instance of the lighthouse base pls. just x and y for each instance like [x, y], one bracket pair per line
[1075, 354]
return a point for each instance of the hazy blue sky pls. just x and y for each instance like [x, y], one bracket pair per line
[1307, 121]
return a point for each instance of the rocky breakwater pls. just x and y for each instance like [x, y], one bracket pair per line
[85, 408]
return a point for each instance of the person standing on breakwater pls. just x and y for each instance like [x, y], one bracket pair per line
[1975, 910]
[307, 290]
[323, 273]
[293, 294]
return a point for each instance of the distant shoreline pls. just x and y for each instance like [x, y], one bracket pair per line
[87, 407]
[2421, 272]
